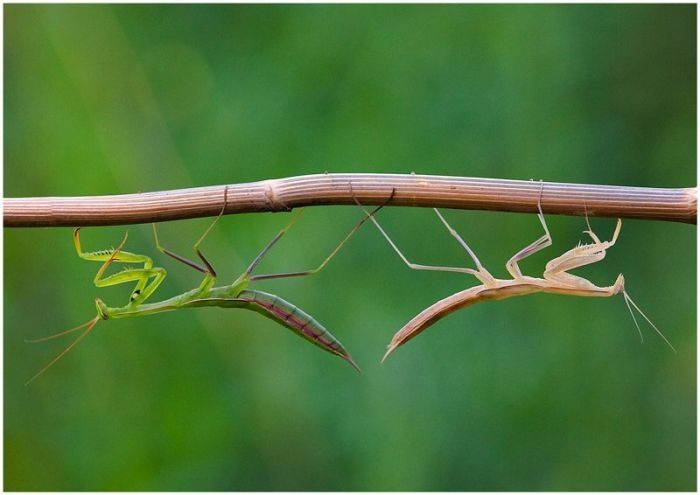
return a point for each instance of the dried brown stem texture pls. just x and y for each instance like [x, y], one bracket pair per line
[679, 205]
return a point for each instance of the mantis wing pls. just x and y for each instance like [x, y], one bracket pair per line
[284, 313]
[444, 307]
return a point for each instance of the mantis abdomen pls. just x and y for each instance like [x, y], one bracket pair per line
[282, 312]
[444, 307]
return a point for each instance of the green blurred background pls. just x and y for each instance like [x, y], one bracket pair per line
[536, 393]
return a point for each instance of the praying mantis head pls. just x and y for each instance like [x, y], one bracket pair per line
[102, 311]
[619, 285]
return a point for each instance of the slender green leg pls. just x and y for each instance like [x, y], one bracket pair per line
[176, 256]
[274, 240]
[207, 269]
[323, 264]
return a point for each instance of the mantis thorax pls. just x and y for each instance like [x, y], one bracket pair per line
[239, 285]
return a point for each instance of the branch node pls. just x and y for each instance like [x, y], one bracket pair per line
[273, 201]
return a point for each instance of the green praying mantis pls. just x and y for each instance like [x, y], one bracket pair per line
[148, 278]
[237, 295]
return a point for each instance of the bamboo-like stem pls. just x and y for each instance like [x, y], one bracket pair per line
[679, 205]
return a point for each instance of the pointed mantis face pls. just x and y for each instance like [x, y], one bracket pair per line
[102, 310]
[619, 285]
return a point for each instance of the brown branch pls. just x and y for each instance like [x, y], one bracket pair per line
[679, 205]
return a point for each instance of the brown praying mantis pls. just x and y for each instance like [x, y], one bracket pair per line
[555, 280]
[236, 295]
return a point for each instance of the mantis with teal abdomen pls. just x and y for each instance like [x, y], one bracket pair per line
[236, 295]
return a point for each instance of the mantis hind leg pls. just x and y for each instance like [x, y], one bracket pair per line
[320, 267]
[270, 244]
[415, 266]
[483, 274]
[207, 268]
[323, 264]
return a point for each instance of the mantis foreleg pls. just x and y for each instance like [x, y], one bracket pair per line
[142, 291]
[556, 270]
[141, 276]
